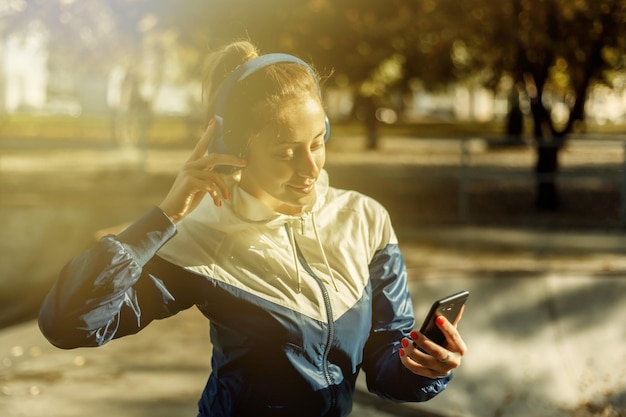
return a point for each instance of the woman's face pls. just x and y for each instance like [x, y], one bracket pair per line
[285, 159]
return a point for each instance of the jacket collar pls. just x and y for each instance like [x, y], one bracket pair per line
[249, 208]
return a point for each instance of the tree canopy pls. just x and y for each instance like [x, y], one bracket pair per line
[560, 46]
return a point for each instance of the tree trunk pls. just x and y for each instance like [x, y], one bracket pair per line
[546, 171]
[515, 120]
[365, 112]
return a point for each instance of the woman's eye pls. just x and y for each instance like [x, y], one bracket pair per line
[287, 154]
[317, 145]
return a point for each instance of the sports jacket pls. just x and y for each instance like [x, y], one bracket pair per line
[297, 304]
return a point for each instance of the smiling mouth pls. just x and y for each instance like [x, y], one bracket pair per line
[304, 189]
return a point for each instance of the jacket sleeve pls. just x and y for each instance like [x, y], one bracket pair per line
[393, 319]
[112, 289]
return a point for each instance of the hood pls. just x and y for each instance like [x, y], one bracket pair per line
[249, 208]
[244, 210]
[200, 234]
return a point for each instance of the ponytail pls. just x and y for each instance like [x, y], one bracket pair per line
[219, 65]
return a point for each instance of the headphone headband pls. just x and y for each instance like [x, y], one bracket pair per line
[248, 68]
[218, 144]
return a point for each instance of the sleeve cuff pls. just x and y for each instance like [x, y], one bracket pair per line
[144, 237]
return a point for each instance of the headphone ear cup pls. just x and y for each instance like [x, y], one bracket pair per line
[217, 144]
[327, 134]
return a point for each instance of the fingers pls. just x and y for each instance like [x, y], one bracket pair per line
[424, 364]
[211, 183]
[208, 180]
[424, 357]
[203, 144]
[201, 148]
[204, 168]
[196, 179]
[209, 161]
[199, 177]
[453, 337]
[220, 188]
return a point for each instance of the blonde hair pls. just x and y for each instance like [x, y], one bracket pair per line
[258, 99]
[220, 64]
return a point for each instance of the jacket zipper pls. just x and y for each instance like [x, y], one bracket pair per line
[329, 317]
[331, 324]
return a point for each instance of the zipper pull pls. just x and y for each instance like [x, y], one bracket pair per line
[303, 223]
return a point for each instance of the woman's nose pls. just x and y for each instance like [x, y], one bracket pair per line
[308, 165]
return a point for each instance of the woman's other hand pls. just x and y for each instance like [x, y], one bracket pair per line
[424, 357]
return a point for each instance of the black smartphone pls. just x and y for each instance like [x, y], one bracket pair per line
[449, 307]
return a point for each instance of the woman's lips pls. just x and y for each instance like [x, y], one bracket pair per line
[304, 189]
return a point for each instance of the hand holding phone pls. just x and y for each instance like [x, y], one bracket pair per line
[431, 355]
[449, 307]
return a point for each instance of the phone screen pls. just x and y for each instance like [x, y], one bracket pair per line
[449, 307]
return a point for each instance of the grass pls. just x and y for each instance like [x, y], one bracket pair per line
[177, 130]
[89, 129]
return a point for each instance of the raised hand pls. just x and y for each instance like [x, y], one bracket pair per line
[197, 178]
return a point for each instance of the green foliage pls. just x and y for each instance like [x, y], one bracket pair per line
[561, 44]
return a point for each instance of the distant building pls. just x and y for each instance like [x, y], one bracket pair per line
[24, 57]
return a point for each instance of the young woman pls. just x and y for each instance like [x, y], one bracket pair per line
[303, 284]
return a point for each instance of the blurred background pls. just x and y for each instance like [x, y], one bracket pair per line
[470, 121]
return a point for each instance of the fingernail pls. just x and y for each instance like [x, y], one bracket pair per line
[243, 162]
[414, 335]
[405, 343]
[211, 122]
[440, 320]
[401, 352]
